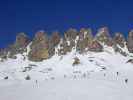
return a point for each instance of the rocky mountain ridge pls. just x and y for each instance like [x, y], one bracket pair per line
[43, 47]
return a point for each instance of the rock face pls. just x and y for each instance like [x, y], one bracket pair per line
[22, 40]
[119, 39]
[119, 43]
[43, 47]
[68, 42]
[70, 37]
[71, 34]
[39, 47]
[130, 41]
[53, 42]
[85, 38]
[76, 61]
[95, 46]
[65, 46]
[103, 35]
[85, 33]
[130, 61]
[55, 38]
[3, 53]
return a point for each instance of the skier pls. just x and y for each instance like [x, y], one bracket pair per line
[104, 74]
[117, 73]
[126, 80]
[36, 81]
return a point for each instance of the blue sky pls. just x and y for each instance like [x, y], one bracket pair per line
[32, 15]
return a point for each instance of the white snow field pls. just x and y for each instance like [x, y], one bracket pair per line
[99, 76]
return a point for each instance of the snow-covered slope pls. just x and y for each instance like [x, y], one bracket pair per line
[98, 77]
[62, 66]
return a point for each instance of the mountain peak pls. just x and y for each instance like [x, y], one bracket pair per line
[44, 47]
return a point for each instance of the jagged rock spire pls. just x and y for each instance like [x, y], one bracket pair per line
[130, 41]
[22, 40]
[55, 38]
[19, 46]
[103, 35]
[39, 47]
[85, 33]
[43, 47]
[53, 42]
[69, 40]
[85, 38]
[71, 34]
[119, 39]
[95, 46]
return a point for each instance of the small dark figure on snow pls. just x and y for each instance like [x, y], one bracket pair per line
[104, 74]
[36, 81]
[117, 73]
[126, 80]
[24, 58]
[6, 77]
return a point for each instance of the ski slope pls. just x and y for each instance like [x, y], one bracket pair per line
[99, 76]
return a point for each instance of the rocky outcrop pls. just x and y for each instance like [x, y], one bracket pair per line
[55, 38]
[3, 53]
[69, 39]
[53, 42]
[85, 33]
[62, 50]
[119, 43]
[81, 45]
[43, 47]
[130, 61]
[70, 34]
[22, 40]
[95, 46]
[103, 36]
[65, 46]
[130, 41]
[68, 42]
[117, 49]
[39, 47]
[76, 61]
[119, 40]
[85, 38]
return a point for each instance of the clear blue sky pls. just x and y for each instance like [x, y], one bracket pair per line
[32, 15]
